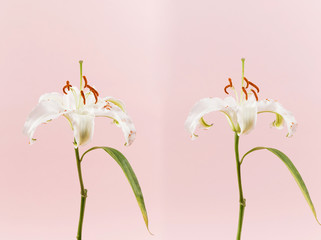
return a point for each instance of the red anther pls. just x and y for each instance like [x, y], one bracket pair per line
[85, 80]
[96, 98]
[247, 82]
[257, 99]
[230, 85]
[83, 96]
[256, 87]
[96, 94]
[243, 88]
[226, 88]
[93, 90]
[66, 86]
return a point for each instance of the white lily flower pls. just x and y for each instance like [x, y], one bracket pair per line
[241, 114]
[80, 108]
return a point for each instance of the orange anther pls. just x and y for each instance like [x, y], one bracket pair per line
[83, 96]
[257, 99]
[228, 86]
[96, 94]
[256, 87]
[247, 82]
[93, 90]
[85, 80]
[244, 93]
[66, 86]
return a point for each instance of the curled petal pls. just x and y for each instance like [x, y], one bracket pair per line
[247, 115]
[206, 105]
[50, 107]
[205, 124]
[283, 116]
[107, 108]
[117, 102]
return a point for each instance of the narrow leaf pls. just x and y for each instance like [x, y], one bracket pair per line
[129, 172]
[295, 173]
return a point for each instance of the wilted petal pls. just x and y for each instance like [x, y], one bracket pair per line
[206, 105]
[282, 115]
[50, 107]
[247, 115]
[110, 108]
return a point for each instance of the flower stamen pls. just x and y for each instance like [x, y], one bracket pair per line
[256, 87]
[247, 82]
[257, 99]
[66, 86]
[245, 92]
[96, 94]
[85, 80]
[94, 91]
[83, 96]
[228, 86]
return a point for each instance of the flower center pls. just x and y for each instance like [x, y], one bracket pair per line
[250, 87]
[91, 89]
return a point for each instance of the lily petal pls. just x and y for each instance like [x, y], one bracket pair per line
[50, 107]
[247, 115]
[83, 126]
[207, 105]
[117, 102]
[108, 107]
[283, 116]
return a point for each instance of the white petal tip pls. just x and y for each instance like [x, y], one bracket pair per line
[194, 136]
[32, 140]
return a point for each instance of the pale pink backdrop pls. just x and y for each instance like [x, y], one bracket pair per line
[160, 57]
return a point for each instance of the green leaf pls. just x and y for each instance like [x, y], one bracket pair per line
[295, 173]
[129, 172]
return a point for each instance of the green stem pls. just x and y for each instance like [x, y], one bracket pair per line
[83, 193]
[242, 199]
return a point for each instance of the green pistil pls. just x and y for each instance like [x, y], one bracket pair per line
[80, 63]
[243, 60]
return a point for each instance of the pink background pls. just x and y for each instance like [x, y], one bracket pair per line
[160, 57]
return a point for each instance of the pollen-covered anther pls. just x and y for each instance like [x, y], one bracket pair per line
[247, 82]
[83, 96]
[94, 91]
[256, 87]
[228, 86]
[85, 80]
[66, 86]
[257, 99]
[96, 94]
[245, 92]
